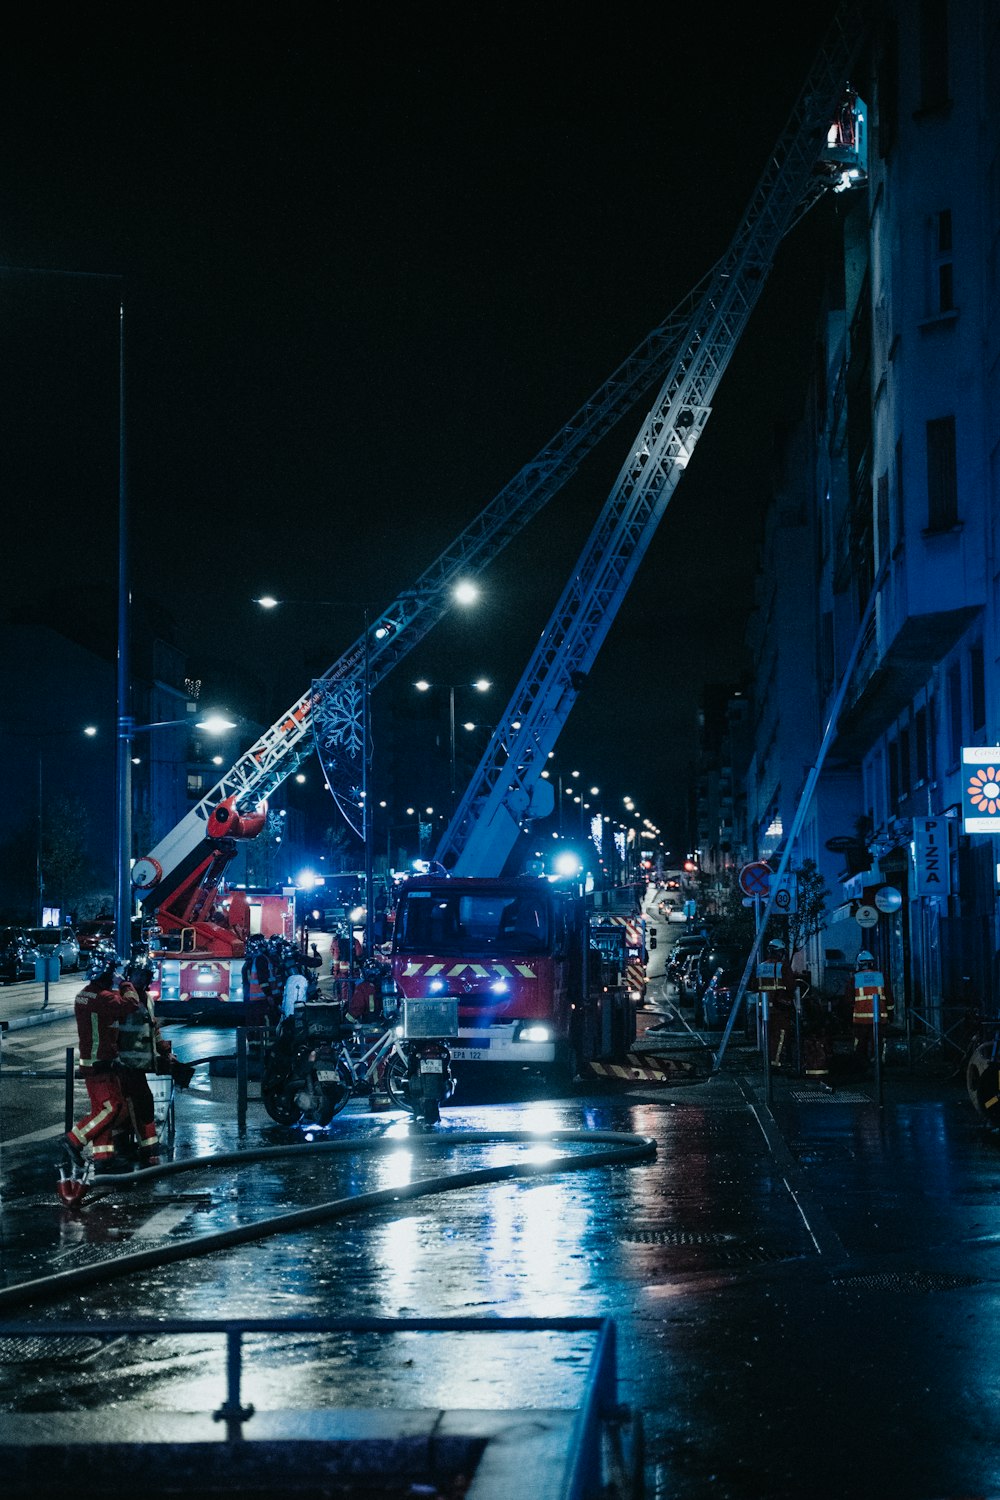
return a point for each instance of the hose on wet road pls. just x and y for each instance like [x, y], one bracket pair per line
[620, 1149]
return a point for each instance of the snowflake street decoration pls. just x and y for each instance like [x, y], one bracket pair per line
[339, 732]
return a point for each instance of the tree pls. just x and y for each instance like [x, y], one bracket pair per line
[809, 917]
[65, 869]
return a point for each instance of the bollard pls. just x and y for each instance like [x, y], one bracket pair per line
[241, 1079]
[765, 1033]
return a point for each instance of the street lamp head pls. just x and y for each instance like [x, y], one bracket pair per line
[482, 684]
[267, 601]
[466, 592]
[215, 724]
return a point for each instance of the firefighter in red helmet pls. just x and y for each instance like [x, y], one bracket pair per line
[143, 1050]
[870, 998]
[776, 980]
[100, 1009]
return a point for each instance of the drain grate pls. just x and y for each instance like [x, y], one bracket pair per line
[674, 1237]
[908, 1281]
[840, 1096]
[726, 1249]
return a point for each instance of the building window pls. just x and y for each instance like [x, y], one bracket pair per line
[933, 53]
[954, 713]
[940, 265]
[899, 512]
[932, 720]
[942, 479]
[195, 784]
[893, 776]
[977, 686]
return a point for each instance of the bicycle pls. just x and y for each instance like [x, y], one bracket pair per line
[320, 1061]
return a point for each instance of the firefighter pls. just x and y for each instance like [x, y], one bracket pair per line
[867, 989]
[100, 1010]
[776, 980]
[258, 983]
[142, 1050]
[817, 1039]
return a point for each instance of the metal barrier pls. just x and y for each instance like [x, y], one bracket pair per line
[583, 1474]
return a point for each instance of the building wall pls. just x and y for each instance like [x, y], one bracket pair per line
[904, 463]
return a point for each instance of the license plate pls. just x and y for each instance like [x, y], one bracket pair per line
[431, 1065]
[472, 1053]
[327, 1075]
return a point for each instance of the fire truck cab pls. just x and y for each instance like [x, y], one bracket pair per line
[516, 952]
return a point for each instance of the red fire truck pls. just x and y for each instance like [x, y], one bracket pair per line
[535, 988]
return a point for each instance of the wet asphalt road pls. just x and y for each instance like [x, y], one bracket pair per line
[805, 1299]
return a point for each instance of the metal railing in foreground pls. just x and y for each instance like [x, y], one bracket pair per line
[595, 1442]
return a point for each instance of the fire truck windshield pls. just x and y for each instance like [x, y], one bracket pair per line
[483, 922]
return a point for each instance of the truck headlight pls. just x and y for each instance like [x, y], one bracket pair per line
[534, 1033]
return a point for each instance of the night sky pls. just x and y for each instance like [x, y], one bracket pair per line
[372, 259]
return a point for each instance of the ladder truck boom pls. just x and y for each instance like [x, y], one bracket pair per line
[240, 796]
[290, 740]
[504, 790]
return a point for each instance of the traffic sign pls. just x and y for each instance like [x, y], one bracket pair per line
[783, 899]
[755, 878]
[866, 916]
[887, 898]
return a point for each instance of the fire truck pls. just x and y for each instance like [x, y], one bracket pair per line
[535, 989]
[682, 360]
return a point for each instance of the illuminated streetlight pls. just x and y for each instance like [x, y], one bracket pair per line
[480, 684]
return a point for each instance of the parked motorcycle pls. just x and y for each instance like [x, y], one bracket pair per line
[304, 1079]
[430, 1081]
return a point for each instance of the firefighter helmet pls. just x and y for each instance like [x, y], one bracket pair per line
[776, 945]
[864, 957]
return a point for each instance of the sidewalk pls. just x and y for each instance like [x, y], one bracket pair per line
[24, 1003]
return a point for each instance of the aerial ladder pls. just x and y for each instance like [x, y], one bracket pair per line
[327, 718]
[688, 354]
[822, 147]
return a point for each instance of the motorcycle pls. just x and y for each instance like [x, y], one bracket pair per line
[304, 1078]
[430, 1081]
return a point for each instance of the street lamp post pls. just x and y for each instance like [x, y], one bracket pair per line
[481, 685]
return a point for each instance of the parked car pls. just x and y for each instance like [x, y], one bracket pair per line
[721, 970]
[17, 957]
[65, 942]
[89, 934]
[100, 931]
[682, 950]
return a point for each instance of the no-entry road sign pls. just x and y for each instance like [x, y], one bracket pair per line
[755, 878]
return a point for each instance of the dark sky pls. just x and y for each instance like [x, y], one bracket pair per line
[372, 259]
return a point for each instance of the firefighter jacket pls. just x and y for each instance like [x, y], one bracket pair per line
[99, 1013]
[777, 979]
[868, 990]
[140, 1044]
[257, 981]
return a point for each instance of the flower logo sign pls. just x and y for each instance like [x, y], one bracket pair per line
[981, 789]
